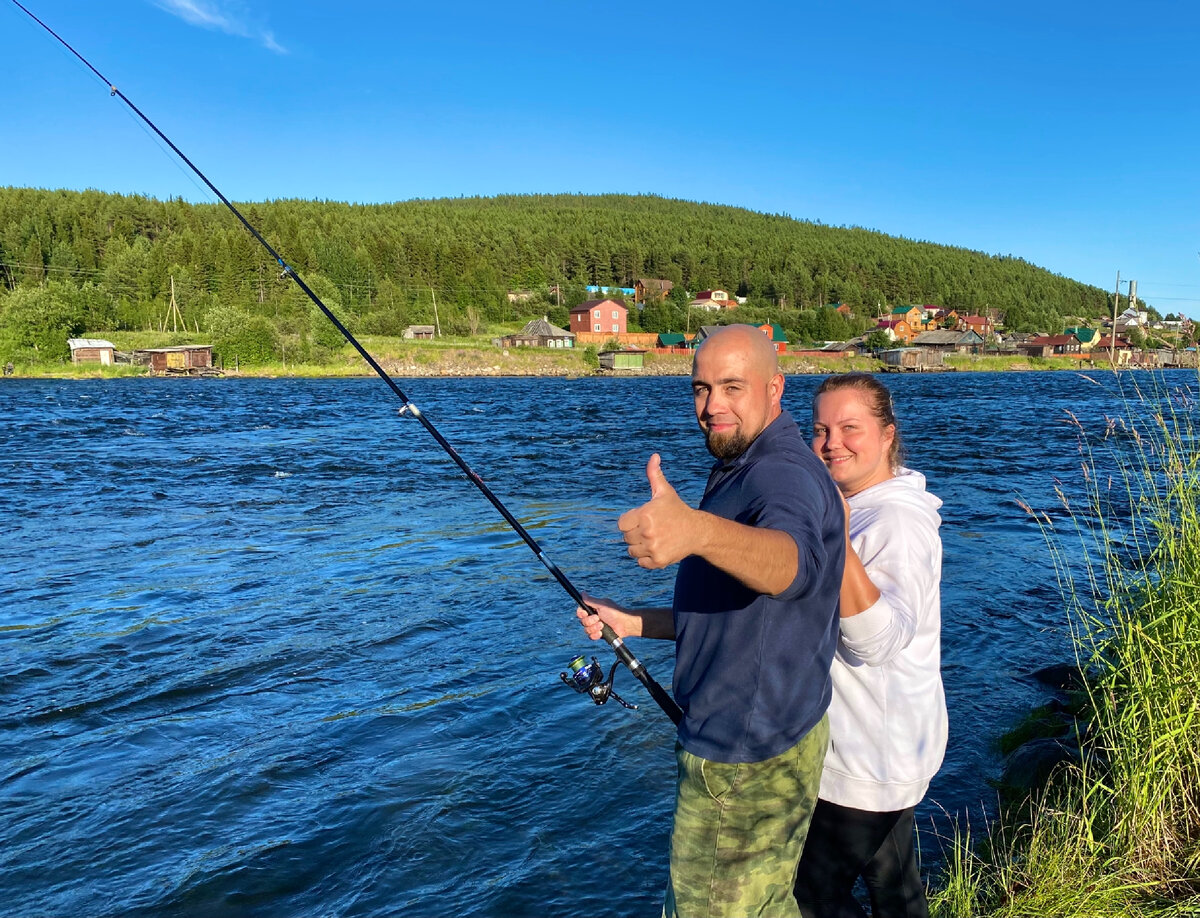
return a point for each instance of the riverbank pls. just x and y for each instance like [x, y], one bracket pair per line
[1114, 828]
[478, 357]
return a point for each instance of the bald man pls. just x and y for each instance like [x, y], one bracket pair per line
[755, 623]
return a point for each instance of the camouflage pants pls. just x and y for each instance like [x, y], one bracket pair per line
[739, 831]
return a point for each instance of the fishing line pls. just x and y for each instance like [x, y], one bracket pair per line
[586, 678]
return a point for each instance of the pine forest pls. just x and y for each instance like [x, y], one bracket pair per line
[75, 263]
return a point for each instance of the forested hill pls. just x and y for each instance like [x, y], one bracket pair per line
[386, 265]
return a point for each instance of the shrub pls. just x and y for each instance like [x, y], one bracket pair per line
[239, 337]
[35, 323]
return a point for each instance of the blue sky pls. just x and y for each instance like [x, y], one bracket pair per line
[1064, 133]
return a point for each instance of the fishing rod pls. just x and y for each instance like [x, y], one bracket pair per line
[585, 678]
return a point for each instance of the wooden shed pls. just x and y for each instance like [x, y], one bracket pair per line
[627, 360]
[911, 358]
[183, 358]
[91, 350]
[949, 340]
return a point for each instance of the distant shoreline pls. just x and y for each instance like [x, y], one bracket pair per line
[469, 362]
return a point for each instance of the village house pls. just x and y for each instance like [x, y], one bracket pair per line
[1130, 318]
[940, 317]
[713, 300]
[851, 348]
[704, 332]
[419, 332]
[913, 316]
[91, 350]
[539, 333]
[897, 329]
[1088, 337]
[949, 340]
[1050, 346]
[777, 336]
[981, 325]
[651, 289]
[600, 317]
[673, 340]
[774, 332]
[1121, 349]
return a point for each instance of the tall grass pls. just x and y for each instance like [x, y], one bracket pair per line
[1119, 833]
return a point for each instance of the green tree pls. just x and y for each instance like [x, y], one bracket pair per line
[558, 315]
[242, 338]
[35, 323]
[877, 340]
[472, 250]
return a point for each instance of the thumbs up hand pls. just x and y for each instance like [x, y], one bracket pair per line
[662, 531]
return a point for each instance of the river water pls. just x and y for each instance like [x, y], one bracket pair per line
[265, 651]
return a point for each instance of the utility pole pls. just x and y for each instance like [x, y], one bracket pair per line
[174, 316]
[437, 327]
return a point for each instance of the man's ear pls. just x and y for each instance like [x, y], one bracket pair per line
[775, 387]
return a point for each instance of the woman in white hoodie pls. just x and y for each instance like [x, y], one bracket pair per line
[888, 715]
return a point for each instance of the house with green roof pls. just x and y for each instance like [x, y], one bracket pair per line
[777, 336]
[1088, 337]
[919, 318]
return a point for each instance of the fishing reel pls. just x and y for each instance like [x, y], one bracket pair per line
[588, 679]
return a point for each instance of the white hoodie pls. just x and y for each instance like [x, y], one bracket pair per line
[887, 720]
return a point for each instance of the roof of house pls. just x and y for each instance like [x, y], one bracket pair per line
[542, 328]
[777, 333]
[76, 343]
[903, 310]
[852, 344]
[591, 304]
[178, 348]
[671, 339]
[1083, 334]
[948, 336]
[889, 323]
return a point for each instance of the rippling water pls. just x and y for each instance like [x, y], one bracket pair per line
[264, 651]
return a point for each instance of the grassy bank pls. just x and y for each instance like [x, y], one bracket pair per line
[992, 363]
[1117, 834]
[478, 356]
